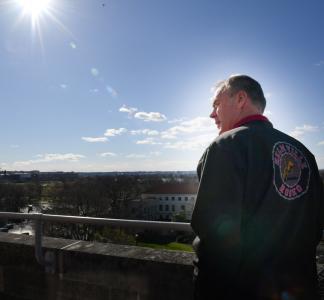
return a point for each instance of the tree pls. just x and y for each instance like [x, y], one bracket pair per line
[12, 197]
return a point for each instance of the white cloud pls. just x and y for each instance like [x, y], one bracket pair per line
[94, 91]
[148, 141]
[150, 117]
[95, 139]
[150, 132]
[111, 91]
[168, 136]
[67, 156]
[114, 132]
[301, 130]
[199, 142]
[63, 86]
[94, 72]
[129, 110]
[321, 143]
[73, 45]
[199, 124]
[144, 131]
[106, 154]
[50, 157]
[14, 146]
[155, 153]
[181, 145]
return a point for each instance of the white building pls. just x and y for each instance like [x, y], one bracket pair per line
[166, 201]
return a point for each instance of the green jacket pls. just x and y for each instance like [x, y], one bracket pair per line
[259, 212]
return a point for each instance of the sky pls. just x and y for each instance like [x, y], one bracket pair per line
[126, 85]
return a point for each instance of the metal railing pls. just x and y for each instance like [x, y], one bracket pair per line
[39, 218]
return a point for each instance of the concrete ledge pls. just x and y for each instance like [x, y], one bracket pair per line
[84, 270]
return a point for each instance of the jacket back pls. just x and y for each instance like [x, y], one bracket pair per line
[259, 211]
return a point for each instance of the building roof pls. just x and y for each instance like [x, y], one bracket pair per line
[174, 188]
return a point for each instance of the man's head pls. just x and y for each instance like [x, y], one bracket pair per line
[237, 97]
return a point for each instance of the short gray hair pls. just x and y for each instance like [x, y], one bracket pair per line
[236, 83]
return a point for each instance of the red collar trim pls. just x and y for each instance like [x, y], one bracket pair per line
[249, 119]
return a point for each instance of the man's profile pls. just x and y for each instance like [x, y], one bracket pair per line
[259, 211]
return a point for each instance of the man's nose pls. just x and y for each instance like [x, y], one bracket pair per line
[213, 114]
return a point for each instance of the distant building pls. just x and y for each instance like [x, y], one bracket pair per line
[168, 201]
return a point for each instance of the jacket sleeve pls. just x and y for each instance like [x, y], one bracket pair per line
[320, 189]
[217, 214]
[201, 164]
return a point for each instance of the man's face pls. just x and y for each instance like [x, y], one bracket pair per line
[225, 111]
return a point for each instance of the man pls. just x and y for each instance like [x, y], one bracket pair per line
[259, 210]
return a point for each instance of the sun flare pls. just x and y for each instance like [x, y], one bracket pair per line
[41, 16]
[34, 8]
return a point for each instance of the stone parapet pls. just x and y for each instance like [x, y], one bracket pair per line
[85, 270]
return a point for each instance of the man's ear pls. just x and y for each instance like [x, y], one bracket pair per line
[241, 99]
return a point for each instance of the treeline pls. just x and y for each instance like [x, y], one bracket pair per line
[102, 196]
[16, 196]
[96, 196]
[93, 196]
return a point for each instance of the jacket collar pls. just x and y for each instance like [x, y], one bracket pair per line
[249, 119]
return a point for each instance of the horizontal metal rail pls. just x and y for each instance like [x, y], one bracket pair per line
[99, 221]
[39, 218]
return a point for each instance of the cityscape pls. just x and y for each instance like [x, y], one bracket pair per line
[155, 196]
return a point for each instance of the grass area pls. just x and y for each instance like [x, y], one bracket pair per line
[170, 246]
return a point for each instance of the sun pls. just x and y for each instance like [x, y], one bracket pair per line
[41, 14]
[34, 8]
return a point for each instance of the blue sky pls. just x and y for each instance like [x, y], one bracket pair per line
[125, 85]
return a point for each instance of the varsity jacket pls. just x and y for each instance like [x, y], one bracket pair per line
[259, 214]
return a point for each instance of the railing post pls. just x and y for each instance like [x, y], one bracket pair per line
[38, 239]
[46, 259]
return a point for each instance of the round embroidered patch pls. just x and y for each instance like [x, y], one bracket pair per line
[291, 171]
